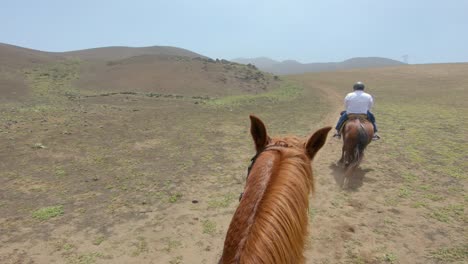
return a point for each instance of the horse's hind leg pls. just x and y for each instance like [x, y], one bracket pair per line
[342, 156]
[346, 176]
[348, 173]
[347, 158]
[345, 181]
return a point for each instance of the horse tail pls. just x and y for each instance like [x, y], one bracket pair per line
[362, 142]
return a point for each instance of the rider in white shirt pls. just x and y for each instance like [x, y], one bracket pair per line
[357, 102]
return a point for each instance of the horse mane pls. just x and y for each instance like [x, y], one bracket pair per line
[273, 210]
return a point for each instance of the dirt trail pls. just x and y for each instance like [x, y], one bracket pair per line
[333, 223]
[365, 223]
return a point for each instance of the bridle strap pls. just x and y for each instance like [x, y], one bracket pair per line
[254, 158]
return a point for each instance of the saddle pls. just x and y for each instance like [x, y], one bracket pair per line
[361, 117]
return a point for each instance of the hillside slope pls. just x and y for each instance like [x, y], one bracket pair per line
[14, 57]
[13, 60]
[27, 73]
[174, 75]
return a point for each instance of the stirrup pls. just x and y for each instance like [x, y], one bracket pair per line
[337, 135]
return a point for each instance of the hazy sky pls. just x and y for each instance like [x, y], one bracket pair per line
[306, 30]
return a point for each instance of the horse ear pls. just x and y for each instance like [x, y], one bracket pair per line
[316, 141]
[259, 133]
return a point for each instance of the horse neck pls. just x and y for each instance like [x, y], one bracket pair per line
[270, 224]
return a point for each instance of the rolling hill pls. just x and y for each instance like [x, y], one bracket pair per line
[25, 73]
[116, 53]
[14, 57]
[294, 67]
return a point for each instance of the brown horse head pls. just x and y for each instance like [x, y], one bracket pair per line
[270, 224]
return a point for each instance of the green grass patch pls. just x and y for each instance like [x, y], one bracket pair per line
[176, 260]
[425, 187]
[67, 247]
[313, 212]
[446, 255]
[223, 201]
[156, 194]
[52, 83]
[409, 177]
[39, 108]
[87, 258]
[59, 172]
[389, 258]
[98, 241]
[173, 198]
[141, 246]
[172, 244]
[391, 201]
[287, 91]
[434, 197]
[46, 213]
[388, 222]
[209, 227]
[419, 204]
[404, 192]
[449, 213]
[440, 215]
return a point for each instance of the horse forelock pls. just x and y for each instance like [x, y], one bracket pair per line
[271, 220]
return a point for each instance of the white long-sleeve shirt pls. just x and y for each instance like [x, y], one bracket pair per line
[358, 102]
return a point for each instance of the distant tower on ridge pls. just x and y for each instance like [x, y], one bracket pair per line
[405, 58]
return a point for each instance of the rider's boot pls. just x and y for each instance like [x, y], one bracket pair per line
[337, 134]
[375, 137]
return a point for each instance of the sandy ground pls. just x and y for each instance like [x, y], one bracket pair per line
[132, 195]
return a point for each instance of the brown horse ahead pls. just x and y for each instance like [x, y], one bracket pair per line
[270, 224]
[357, 134]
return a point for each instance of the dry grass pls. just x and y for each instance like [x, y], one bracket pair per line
[126, 169]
